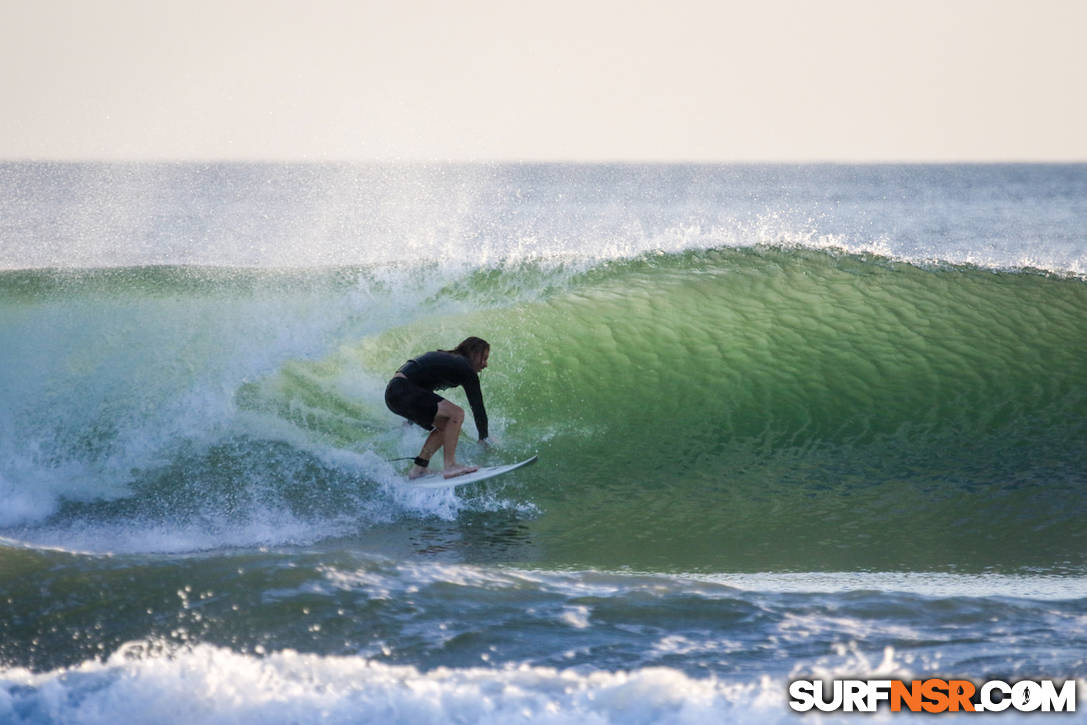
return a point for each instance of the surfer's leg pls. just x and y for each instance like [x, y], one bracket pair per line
[448, 422]
[420, 406]
[430, 446]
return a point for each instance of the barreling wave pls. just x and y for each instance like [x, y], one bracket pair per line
[731, 408]
[721, 406]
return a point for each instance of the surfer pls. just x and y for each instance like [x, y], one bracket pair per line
[411, 394]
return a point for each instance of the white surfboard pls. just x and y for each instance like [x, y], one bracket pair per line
[435, 480]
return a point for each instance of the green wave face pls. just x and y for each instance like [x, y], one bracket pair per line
[768, 408]
[757, 408]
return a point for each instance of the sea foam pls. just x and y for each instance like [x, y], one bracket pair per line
[212, 685]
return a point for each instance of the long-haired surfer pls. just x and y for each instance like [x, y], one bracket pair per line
[411, 394]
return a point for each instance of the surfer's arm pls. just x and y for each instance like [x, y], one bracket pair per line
[475, 399]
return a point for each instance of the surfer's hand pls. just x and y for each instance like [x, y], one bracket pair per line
[486, 443]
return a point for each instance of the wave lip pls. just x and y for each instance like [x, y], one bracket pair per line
[327, 215]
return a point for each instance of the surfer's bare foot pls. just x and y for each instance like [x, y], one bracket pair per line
[416, 472]
[458, 470]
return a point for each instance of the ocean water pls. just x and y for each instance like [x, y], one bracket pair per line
[793, 422]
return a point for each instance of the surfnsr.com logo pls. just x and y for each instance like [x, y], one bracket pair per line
[932, 695]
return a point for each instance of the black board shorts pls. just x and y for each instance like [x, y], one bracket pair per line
[417, 404]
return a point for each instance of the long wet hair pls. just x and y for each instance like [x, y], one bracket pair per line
[470, 346]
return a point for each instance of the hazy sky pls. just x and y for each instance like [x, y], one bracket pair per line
[834, 80]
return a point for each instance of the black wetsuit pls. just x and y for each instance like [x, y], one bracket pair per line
[414, 397]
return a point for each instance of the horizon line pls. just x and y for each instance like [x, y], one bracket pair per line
[413, 161]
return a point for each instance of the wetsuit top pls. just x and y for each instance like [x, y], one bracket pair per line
[439, 370]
